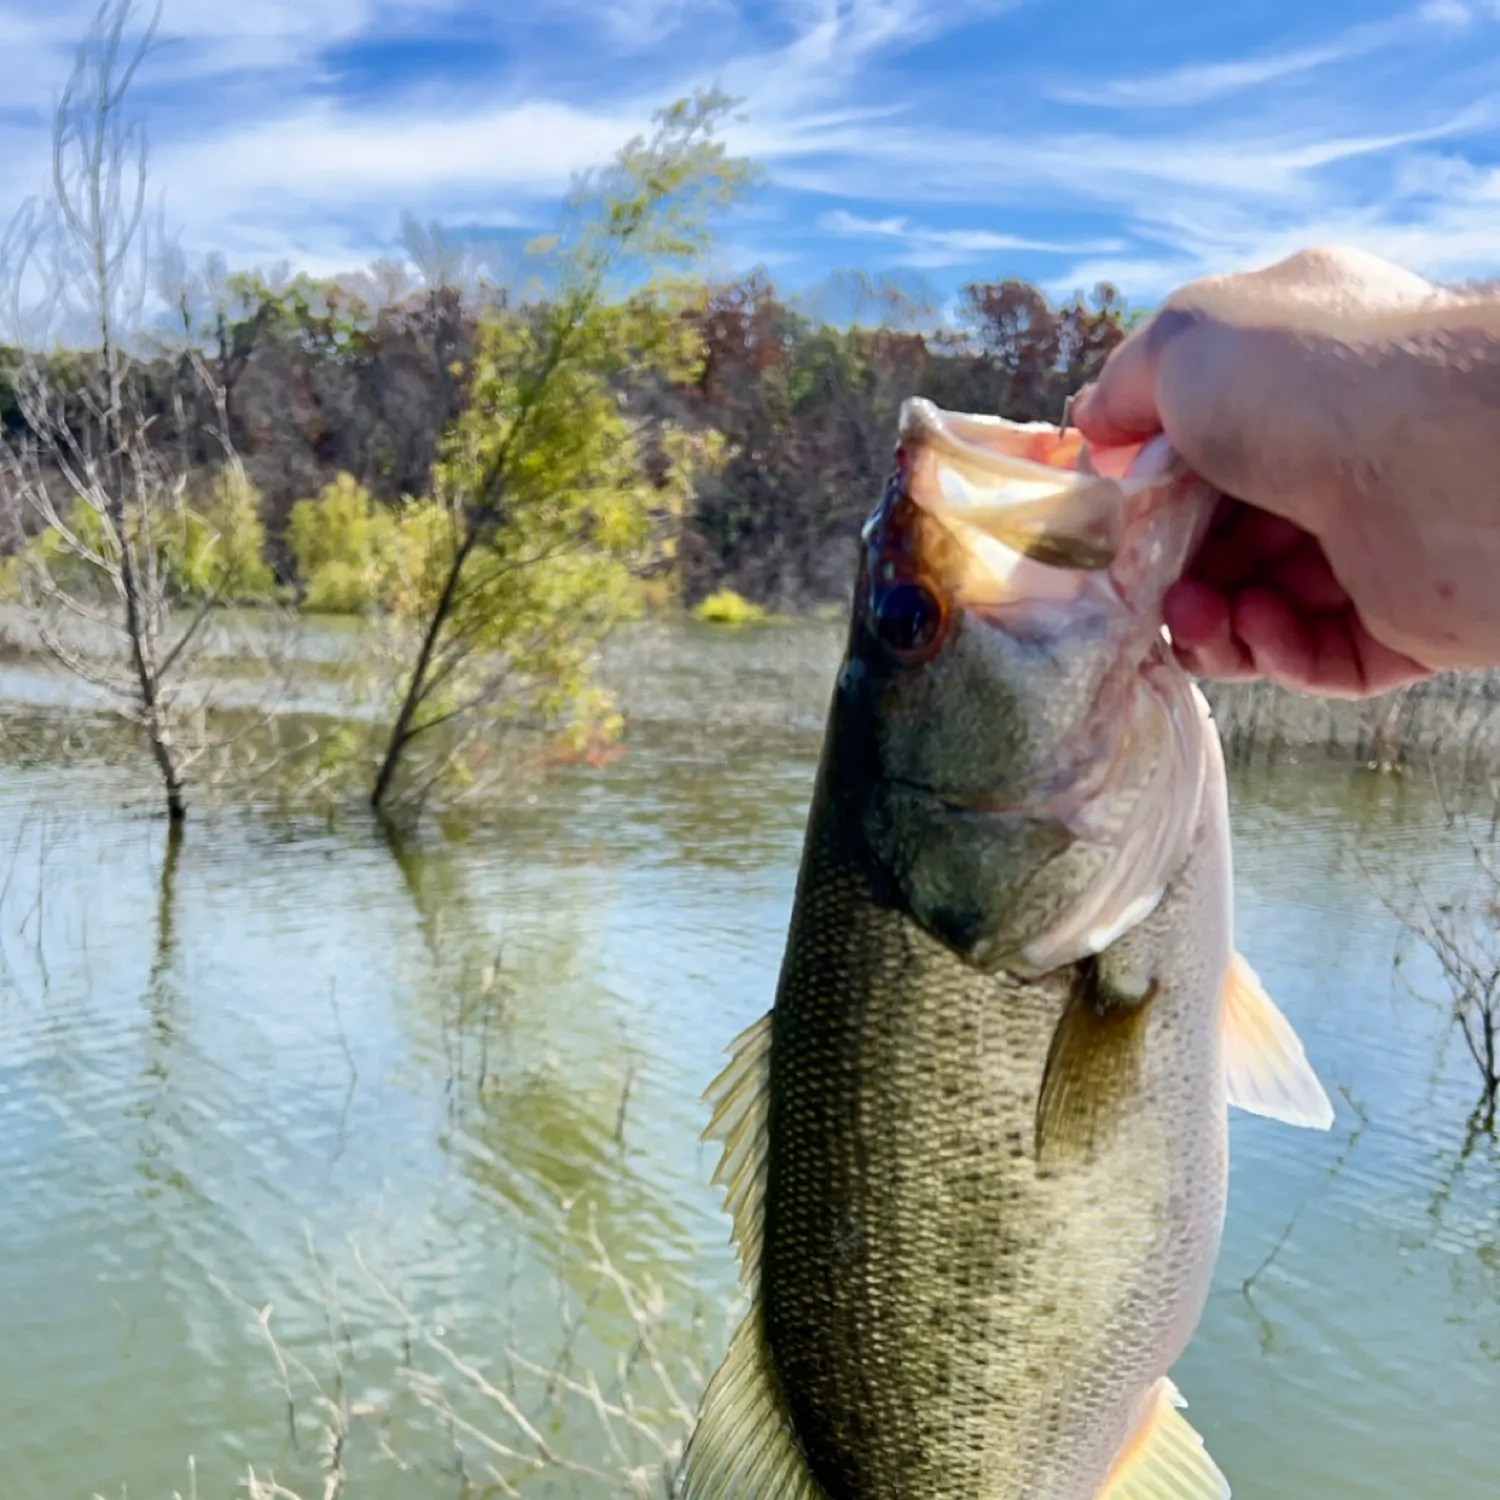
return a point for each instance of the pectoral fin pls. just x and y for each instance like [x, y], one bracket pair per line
[1164, 1458]
[1093, 1065]
[1267, 1072]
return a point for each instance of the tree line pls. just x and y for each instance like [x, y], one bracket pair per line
[337, 394]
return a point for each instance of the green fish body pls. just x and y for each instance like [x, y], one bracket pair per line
[976, 1153]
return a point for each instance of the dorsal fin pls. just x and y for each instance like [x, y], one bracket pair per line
[1266, 1070]
[1164, 1459]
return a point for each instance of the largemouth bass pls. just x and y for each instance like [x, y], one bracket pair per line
[976, 1152]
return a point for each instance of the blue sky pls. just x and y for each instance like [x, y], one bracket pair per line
[1141, 142]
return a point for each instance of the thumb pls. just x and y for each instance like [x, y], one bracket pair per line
[1120, 407]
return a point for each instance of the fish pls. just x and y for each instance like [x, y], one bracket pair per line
[975, 1154]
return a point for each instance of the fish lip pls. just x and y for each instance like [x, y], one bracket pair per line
[1147, 546]
[979, 805]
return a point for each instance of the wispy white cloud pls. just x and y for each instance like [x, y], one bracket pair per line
[340, 160]
[636, 25]
[1451, 12]
[926, 248]
[1199, 83]
[1255, 164]
[319, 179]
[1203, 83]
[201, 38]
[1447, 229]
[824, 46]
[322, 171]
[830, 34]
[1381, 132]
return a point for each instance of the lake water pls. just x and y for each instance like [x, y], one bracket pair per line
[434, 1104]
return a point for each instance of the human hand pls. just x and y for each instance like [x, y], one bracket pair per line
[1260, 600]
[1337, 399]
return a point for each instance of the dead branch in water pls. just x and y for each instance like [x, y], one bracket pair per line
[1461, 932]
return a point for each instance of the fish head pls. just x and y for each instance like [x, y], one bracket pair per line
[1031, 751]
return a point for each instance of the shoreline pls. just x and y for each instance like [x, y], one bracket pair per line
[1454, 718]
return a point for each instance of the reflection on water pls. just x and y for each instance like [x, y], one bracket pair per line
[442, 1094]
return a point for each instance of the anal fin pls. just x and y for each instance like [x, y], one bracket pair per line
[1164, 1458]
[1266, 1070]
[742, 1447]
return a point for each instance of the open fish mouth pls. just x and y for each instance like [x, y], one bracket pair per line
[1019, 484]
[1020, 524]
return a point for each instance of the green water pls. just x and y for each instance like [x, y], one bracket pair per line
[446, 1093]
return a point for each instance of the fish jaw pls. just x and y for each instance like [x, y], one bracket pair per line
[1023, 525]
[1033, 741]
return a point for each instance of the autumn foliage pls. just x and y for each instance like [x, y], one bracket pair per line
[808, 411]
[333, 382]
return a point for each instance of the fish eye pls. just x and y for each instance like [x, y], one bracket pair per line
[907, 618]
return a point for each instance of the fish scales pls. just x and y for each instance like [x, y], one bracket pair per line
[912, 1252]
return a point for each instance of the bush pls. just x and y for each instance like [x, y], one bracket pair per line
[728, 608]
[343, 548]
[221, 549]
[210, 548]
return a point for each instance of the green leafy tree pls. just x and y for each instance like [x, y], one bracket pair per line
[546, 490]
[343, 546]
[219, 551]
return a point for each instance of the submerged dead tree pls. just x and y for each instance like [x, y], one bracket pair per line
[1461, 932]
[129, 517]
[1463, 935]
